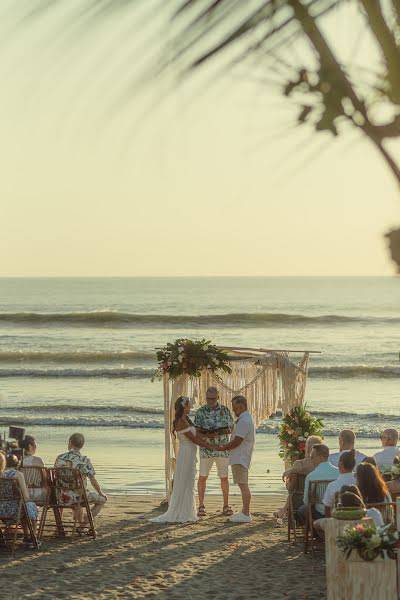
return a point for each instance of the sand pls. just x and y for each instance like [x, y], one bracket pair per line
[133, 558]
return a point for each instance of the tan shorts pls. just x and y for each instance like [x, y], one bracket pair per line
[240, 474]
[221, 463]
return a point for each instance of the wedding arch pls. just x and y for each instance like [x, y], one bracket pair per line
[270, 380]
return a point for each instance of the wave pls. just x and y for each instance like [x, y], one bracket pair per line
[82, 409]
[76, 356]
[323, 372]
[136, 373]
[368, 425]
[115, 318]
[80, 421]
[354, 371]
[135, 422]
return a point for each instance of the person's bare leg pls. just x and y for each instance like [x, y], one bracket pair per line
[225, 490]
[246, 497]
[201, 488]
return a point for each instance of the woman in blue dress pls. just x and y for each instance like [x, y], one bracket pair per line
[9, 508]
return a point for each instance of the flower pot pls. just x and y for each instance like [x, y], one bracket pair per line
[372, 555]
[394, 486]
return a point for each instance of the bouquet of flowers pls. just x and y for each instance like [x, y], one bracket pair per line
[296, 427]
[395, 471]
[390, 472]
[190, 357]
[369, 542]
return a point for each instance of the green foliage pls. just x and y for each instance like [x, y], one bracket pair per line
[190, 357]
[296, 427]
[370, 542]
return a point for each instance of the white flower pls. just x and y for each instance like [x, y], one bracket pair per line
[301, 439]
[306, 434]
[181, 348]
[180, 358]
[385, 538]
[375, 541]
[205, 347]
[290, 445]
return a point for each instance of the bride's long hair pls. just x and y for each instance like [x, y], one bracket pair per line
[180, 404]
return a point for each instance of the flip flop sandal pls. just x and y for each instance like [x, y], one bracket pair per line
[227, 511]
[201, 512]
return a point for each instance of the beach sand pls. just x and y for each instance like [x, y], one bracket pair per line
[133, 558]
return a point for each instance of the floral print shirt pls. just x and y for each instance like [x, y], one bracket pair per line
[211, 419]
[73, 459]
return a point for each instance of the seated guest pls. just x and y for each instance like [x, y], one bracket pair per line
[323, 470]
[369, 460]
[350, 496]
[306, 465]
[371, 485]
[347, 462]
[385, 458]
[347, 441]
[29, 459]
[74, 460]
[9, 508]
[347, 500]
[299, 467]
[36, 493]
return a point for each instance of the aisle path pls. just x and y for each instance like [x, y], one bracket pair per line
[133, 558]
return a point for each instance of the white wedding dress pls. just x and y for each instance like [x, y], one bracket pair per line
[182, 506]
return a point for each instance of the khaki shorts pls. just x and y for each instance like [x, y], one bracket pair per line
[240, 474]
[221, 463]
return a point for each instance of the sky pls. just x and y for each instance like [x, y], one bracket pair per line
[213, 180]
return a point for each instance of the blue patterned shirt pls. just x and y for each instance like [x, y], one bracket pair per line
[211, 419]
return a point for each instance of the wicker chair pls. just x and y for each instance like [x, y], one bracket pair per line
[295, 500]
[10, 491]
[39, 491]
[387, 510]
[65, 483]
[316, 492]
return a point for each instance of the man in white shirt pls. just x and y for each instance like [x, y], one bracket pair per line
[240, 452]
[347, 463]
[347, 441]
[384, 459]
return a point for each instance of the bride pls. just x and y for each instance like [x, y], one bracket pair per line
[182, 506]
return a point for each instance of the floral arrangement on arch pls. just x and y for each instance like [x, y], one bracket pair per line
[369, 542]
[190, 357]
[296, 427]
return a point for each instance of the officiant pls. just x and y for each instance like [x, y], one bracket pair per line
[214, 423]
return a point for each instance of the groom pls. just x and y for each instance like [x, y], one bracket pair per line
[214, 423]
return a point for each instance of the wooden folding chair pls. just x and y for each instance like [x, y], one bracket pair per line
[316, 492]
[37, 481]
[10, 491]
[387, 510]
[68, 483]
[295, 500]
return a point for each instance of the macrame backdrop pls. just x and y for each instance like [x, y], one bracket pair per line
[270, 382]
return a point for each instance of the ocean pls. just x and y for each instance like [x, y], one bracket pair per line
[77, 354]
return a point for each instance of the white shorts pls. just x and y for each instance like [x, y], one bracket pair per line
[207, 463]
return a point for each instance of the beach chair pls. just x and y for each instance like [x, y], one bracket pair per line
[39, 491]
[316, 492]
[295, 500]
[387, 510]
[68, 492]
[11, 492]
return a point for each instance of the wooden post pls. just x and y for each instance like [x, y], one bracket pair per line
[355, 578]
